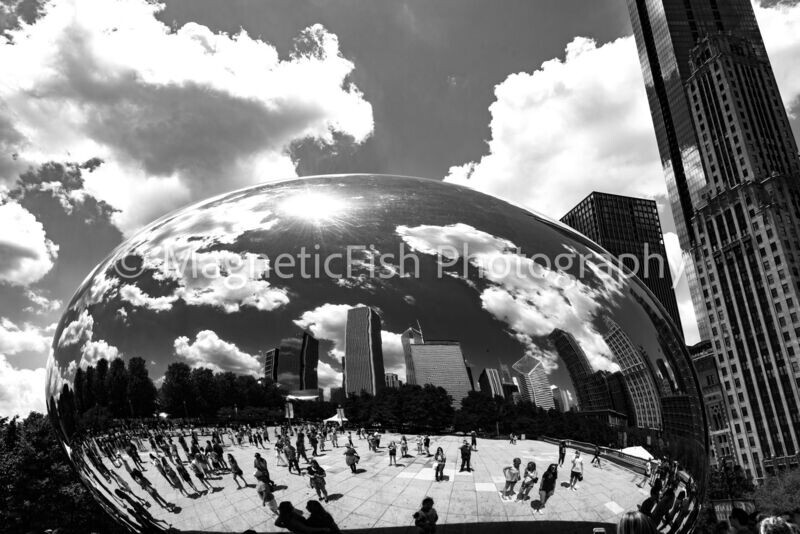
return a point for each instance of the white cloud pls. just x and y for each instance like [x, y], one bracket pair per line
[780, 27]
[94, 351]
[208, 350]
[328, 377]
[77, 332]
[40, 304]
[21, 390]
[28, 338]
[676, 258]
[530, 298]
[134, 295]
[26, 255]
[176, 115]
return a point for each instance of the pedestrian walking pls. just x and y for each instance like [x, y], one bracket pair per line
[466, 453]
[267, 498]
[291, 458]
[529, 479]
[199, 472]
[596, 458]
[548, 486]
[512, 476]
[425, 518]
[392, 453]
[260, 465]
[474, 436]
[576, 474]
[440, 460]
[351, 458]
[184, 474]
[236, 471]
[562, 452]
[403, 447]
[317, 479]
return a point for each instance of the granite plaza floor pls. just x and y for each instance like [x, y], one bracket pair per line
[382, 498]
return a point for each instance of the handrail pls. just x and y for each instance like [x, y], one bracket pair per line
[618, 457]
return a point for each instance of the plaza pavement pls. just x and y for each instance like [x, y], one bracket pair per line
[382, 498]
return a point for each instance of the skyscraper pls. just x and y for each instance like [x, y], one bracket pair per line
[309, 359]
[293, 364]
[441, 363]
[490, 382]
[363, 352]
[288, 363]
[392, 380]
[732, 175]
[409, 337]
[639, 379]
[271, 366]
[719, 428]
[534, 383]
[577, 365]
[629, 229]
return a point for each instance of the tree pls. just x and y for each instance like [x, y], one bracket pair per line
[100, 377]
[117, 388]
[204, 391]
[39, 487]
[141, 390]
[176, 390]
[779, 493]
[729, 482]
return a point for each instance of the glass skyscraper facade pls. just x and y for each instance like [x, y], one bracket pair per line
[363, 352]
[629, 228]
[733, 175]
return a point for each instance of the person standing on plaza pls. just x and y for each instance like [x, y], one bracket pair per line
[474, 436]
[547, 487]
[562, 452]
[427, 443]
[279, 452]
[392, 453]
[512, 476]
[291, 458]
[529, 478]
[260, 465]
[199, 472]
[647, 472]
[335, 439]
[172, 477]
[576, 474]
[317, 475]
[419, 445]
[351, 458]
[301, 446]
[350, 439]
[312, 440]
[596, 457]
[184, 474]
[466, 453]
[403, 447]
[440, 460]
[425, 518]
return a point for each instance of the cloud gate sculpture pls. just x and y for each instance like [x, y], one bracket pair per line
[204, 331]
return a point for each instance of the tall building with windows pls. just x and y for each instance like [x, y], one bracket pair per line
[293, 364]
[410, 337]
[732, 172]
[490, 382]
[578, 366]
[629, 228]
[363, 352]
[441, 363]
[392, 380]
[534, 383]
[719, 428]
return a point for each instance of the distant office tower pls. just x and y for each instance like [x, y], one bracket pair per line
[534, 383]
[441, 363]
[363, 352]
[720, 432]
[288, 363]
[577, 365]
[271, 366]
[561, 399]
[629, 228]
[620, 396]
[392, 381]
[732, 174]
[469, 374]
[409, 337]
[309, 359]
[490, 383]
[638, 376]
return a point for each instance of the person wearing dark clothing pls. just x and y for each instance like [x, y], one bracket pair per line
[649, 503]
[466, 453]
[261, 466]
[351, 458]
[312, 440]
[562, 453]
[293, 521]
[301, 447]
[319, 518]
[547, 486]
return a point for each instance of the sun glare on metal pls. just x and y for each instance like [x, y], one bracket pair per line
[315, 207]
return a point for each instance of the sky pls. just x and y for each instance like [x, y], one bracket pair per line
[144, 108]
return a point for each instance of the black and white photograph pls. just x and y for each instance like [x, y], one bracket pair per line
[400, 266]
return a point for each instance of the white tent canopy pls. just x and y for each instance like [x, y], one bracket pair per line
[335, 419]
[637, 451]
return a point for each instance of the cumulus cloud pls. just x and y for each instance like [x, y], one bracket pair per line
[328, 377]
[176, 115]
[27, 338]
[94, 351]
[530, 298]
[780, 26]
[40, 304]
[21, 390]
[208, 350]
[77, 332]
[676, 258]
[26, 255]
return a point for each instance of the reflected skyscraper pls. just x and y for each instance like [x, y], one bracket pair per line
[577, 365]
[309, 359]
[534, 383]
[732, 171]
[293, 364]
[441, 363]
[288, 364]
[409, 337]
[629, 228]
[271, 366]
[490, 382]
[363, 352]
[638, 377]
[392, 380]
